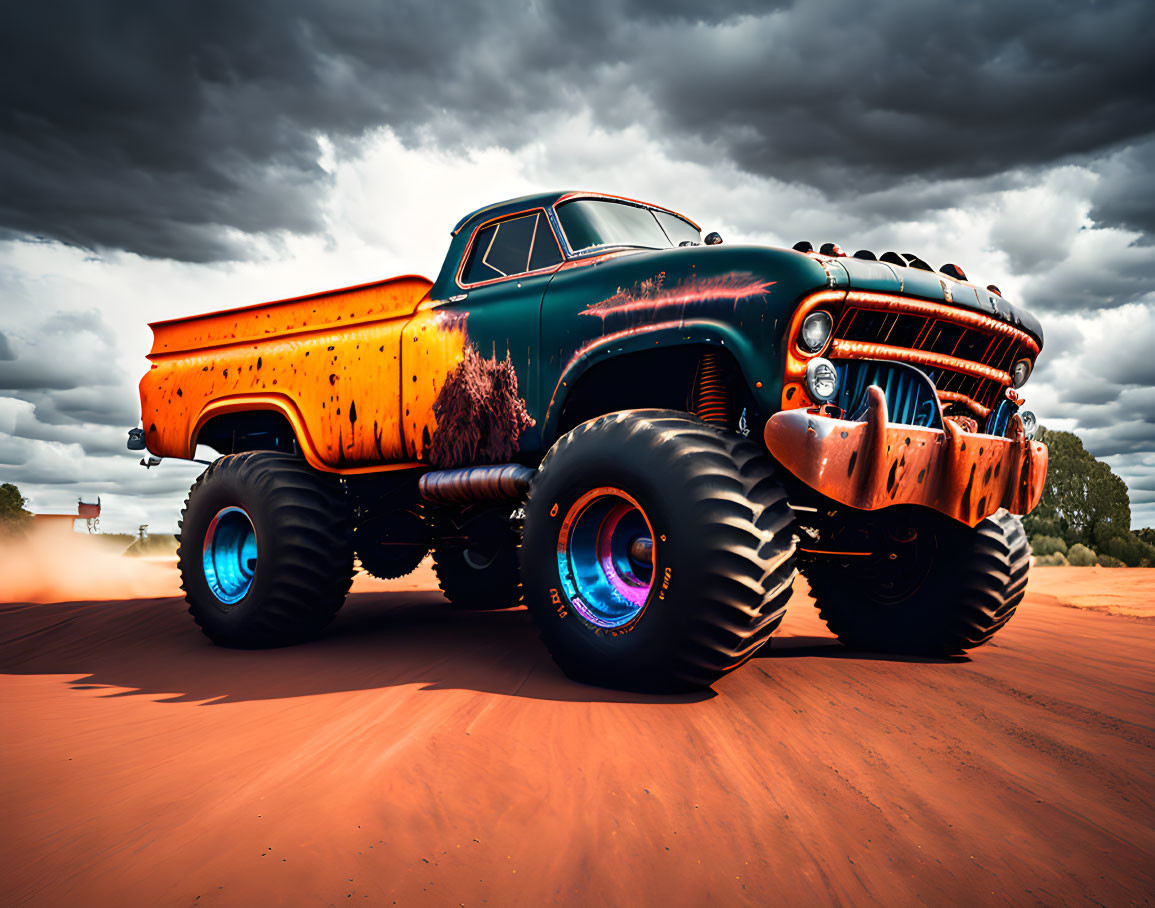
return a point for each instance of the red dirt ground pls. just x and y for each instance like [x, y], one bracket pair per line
[427, 756]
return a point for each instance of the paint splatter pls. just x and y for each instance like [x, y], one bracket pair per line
[652, 296]
[479, 413]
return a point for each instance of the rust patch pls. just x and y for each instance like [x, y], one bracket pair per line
[966, 423]
[849, 463]
[479, 413]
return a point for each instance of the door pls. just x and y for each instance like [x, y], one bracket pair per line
[474, 358]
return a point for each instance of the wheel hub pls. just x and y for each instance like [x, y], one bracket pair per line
[477, 559]
[229, 556]
[904, 559]
[605, 557]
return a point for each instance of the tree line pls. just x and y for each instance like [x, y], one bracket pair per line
[13, 516]
[1085, 515]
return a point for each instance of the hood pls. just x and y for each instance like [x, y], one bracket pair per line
[883, 277]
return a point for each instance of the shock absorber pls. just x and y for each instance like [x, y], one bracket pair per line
[712, 402]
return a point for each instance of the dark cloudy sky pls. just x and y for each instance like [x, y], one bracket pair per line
[164, 158]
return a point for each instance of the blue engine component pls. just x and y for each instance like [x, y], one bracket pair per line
[910, 396]
[999, 422]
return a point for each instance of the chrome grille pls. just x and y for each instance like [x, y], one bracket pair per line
[953, 339]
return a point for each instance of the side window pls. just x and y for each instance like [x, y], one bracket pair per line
[545, 252]
[511, 247]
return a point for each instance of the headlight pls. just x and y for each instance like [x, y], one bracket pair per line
[815, 331]
[1021, 372]
[821, 379]
[1030, 423]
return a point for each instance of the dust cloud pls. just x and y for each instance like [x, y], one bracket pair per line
[47, 565]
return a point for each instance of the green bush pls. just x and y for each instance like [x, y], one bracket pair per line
[1080, 556]
[13, 518]
[1108, 561]
[1057, 559]
[1130, 549]
[1038, 524]
[1048, 545]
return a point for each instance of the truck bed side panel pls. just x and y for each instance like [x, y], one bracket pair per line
[330, 310]
[332, 365]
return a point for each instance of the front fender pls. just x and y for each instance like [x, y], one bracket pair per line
[656, 336]
[740, 298]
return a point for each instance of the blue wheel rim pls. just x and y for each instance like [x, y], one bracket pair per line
[603, 579]
[230, 555]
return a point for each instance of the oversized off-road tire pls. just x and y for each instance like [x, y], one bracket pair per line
[944, 590]
[658, 551]
[266, 551]
[479, 570]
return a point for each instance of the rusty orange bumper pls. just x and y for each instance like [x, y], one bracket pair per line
[875, 464]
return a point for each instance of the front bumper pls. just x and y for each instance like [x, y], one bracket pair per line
[877, 464]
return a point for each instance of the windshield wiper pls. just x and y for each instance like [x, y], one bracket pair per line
[610, 246]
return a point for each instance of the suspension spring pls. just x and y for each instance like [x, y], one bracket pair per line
[713, 403]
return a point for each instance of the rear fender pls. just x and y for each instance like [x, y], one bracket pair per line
[285, 406]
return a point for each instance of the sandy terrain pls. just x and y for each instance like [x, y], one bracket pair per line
[1115, 591]
[428, 756]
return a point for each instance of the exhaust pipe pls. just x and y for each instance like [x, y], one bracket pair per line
[500, 482]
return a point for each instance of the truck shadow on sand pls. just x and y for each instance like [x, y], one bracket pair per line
[829, 648]
[150, 647]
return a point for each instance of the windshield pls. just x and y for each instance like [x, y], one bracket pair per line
[679, 231]
[589, 223]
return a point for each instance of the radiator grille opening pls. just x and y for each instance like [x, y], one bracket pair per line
[935, 332]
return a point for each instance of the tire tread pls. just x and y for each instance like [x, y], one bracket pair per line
[314, 567]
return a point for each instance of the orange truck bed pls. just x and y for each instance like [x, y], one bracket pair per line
[330, 363]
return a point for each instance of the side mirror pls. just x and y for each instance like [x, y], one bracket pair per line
[713, 239]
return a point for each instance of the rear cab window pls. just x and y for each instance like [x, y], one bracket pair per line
[517, 245]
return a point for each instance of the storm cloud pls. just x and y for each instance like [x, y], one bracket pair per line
[180, 129]
[160, 159]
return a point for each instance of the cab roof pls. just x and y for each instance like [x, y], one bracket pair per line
[543, 200]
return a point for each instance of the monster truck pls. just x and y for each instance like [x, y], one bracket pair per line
[640, 434]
